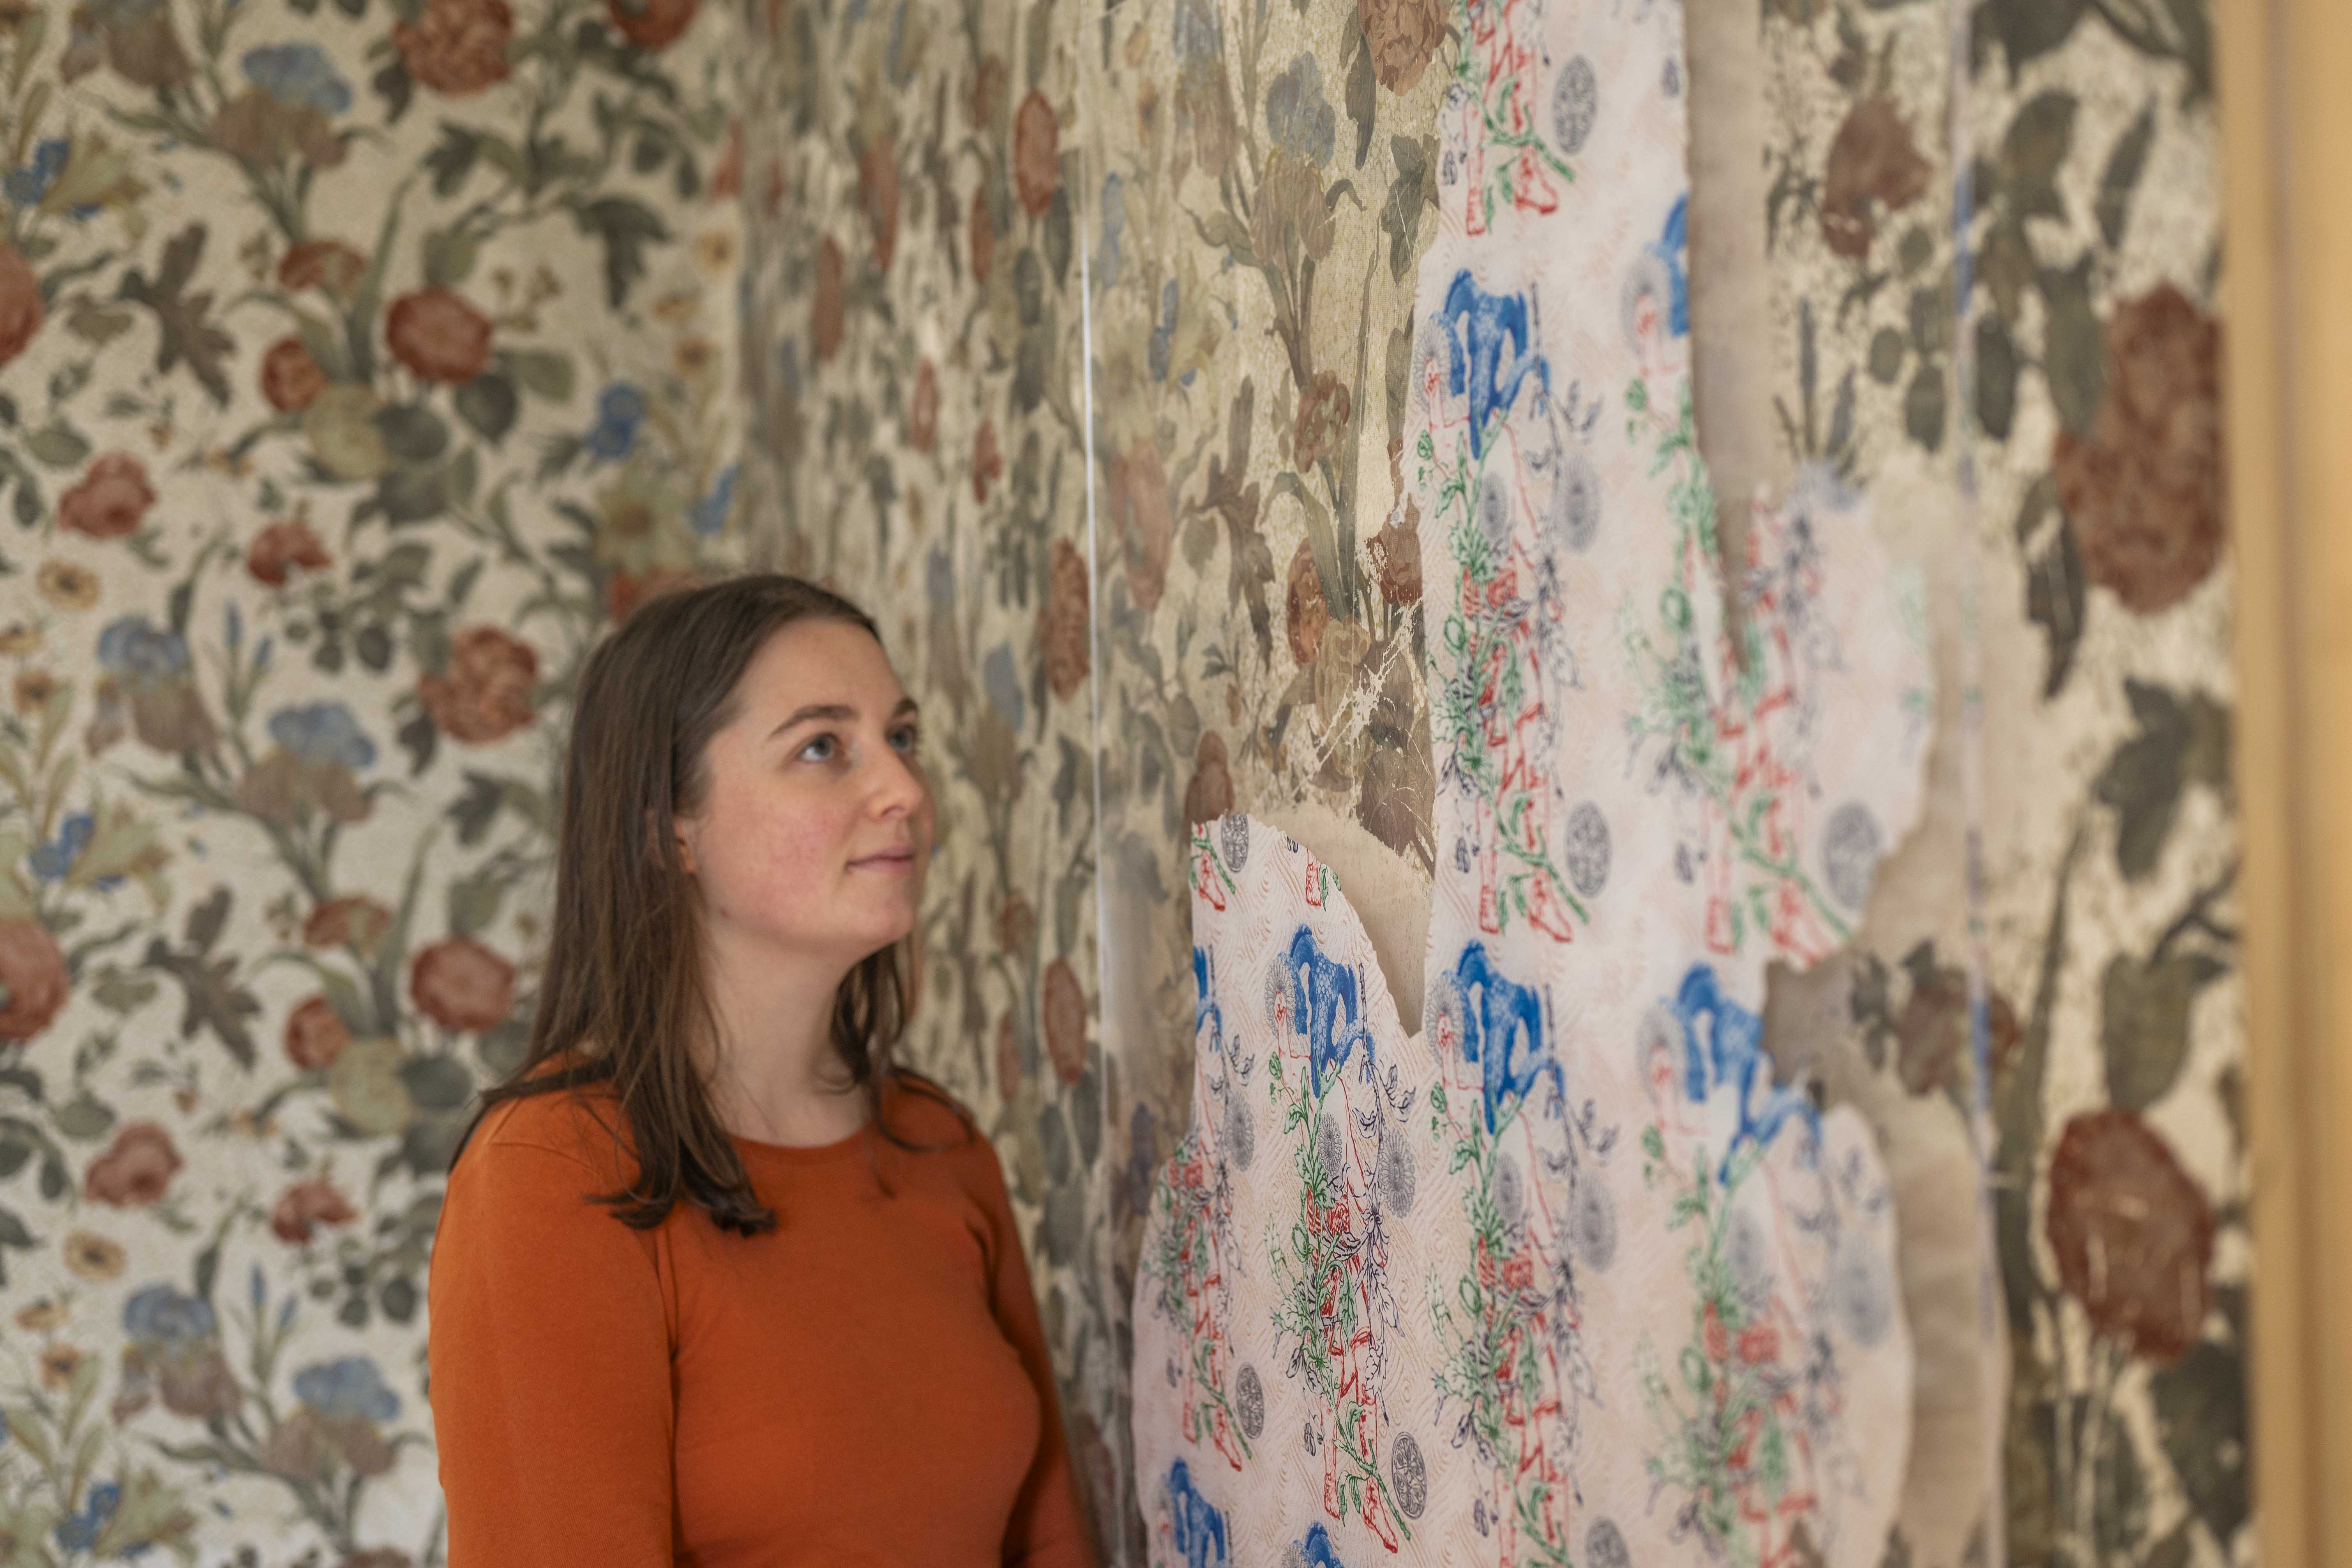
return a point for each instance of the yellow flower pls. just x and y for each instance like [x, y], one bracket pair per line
[93, 1256]
[58, 1364]
[678, 307]
[42, 1316]
[694, 356]
[17, 639]
[33, 689]
[715, 249]
[68, 586]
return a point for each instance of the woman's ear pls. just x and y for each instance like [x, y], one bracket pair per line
[680, 833]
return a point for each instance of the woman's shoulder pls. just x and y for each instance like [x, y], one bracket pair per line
[580, 1123]
[921, 1110]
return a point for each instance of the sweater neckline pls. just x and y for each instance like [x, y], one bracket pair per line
[803, 1153]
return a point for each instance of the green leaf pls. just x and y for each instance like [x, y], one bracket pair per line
[2143, 1022]
[449, 254]
[1887, 350]
[2200, 1423]
[437, 1083]
[541, 373]
[624, 227]
[2027, 29]
[2032, 150]
[2056, 589]
[58, 446]
[2125, 165]
[187, 332]
[1996, 376]
[475, 901]
[453, 158]
[2178, 740]
[1923, 407]
[2074, 347]
[413, 432]
[488, 404]
[411, 495]
[13, 1232]
[83, 1118]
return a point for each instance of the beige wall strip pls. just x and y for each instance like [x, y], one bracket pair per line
[2287, 138]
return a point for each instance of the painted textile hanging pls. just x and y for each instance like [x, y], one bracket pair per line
[1572, 1274]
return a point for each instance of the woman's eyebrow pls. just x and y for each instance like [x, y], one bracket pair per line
[837, 712]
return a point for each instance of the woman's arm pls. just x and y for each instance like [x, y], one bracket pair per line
[550, 1368]
[1047, 1528]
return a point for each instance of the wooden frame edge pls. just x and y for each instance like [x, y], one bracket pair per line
[2286, 136]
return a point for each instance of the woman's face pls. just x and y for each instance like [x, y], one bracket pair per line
[816, 829]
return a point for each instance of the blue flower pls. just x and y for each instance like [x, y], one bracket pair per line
[324, 733]
[345, 1390]
[1297, 114]
[1002, 681]
[136, 645]
[1163, 332]
[52, 860]
[80, 1532]
[299, 76]
[708, 515]
[620, 409]
[159, 1315]
[1194, 32]
[29, 184]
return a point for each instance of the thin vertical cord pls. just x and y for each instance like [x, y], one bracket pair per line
[1094, 574]
[1994, 1379]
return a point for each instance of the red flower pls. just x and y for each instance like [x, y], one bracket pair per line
[21, 310]
[1139, 499]
[923, 409]
[439, 336]
[1210, 794]
[315, 1034]
[307, 1206]
[291, 378]
[1718, 1339]
[110, 500]
[1518, 1273]
[877, 192]
[983, 237]
[987, 461]
[484, 695]
[1036, 161]
[327, 264]
[1872, 160]
[32, 977]
[1062, 634]
[458, 47]
[281, 547]
[136, 1170]
[354, 921]
[1760, 1343]
[828, 304]
[1305, 614]
[461, 984]
[2133, 1235]
[1065, 1008]
[2143, 491]
[651, 24]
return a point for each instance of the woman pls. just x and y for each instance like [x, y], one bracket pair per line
[715, 1282]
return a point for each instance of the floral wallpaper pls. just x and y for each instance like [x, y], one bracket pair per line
[359, 363]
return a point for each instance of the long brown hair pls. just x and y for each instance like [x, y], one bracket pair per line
[624, 982]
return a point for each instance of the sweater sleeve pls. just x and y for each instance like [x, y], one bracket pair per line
[1047, 1528]
[550, 1367]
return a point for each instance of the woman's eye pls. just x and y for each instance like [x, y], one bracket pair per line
[820, 750]
[907, 738]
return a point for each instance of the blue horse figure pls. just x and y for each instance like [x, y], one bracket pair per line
[1504, 1033]
[1323, 1003]
[1731, 1050]
[1204, 1007]
[1317, 1550]
[1199, 1527]
[1480, 329]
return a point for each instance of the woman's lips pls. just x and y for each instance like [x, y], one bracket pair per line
[889, 861]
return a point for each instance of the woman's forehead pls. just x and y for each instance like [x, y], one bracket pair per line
[822, 661]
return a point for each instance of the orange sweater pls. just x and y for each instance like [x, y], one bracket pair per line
[865, 1384]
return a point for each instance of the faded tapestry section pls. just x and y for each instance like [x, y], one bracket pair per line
[2112, 851]
[359, 364]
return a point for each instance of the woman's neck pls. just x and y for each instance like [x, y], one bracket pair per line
[774, 1073]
